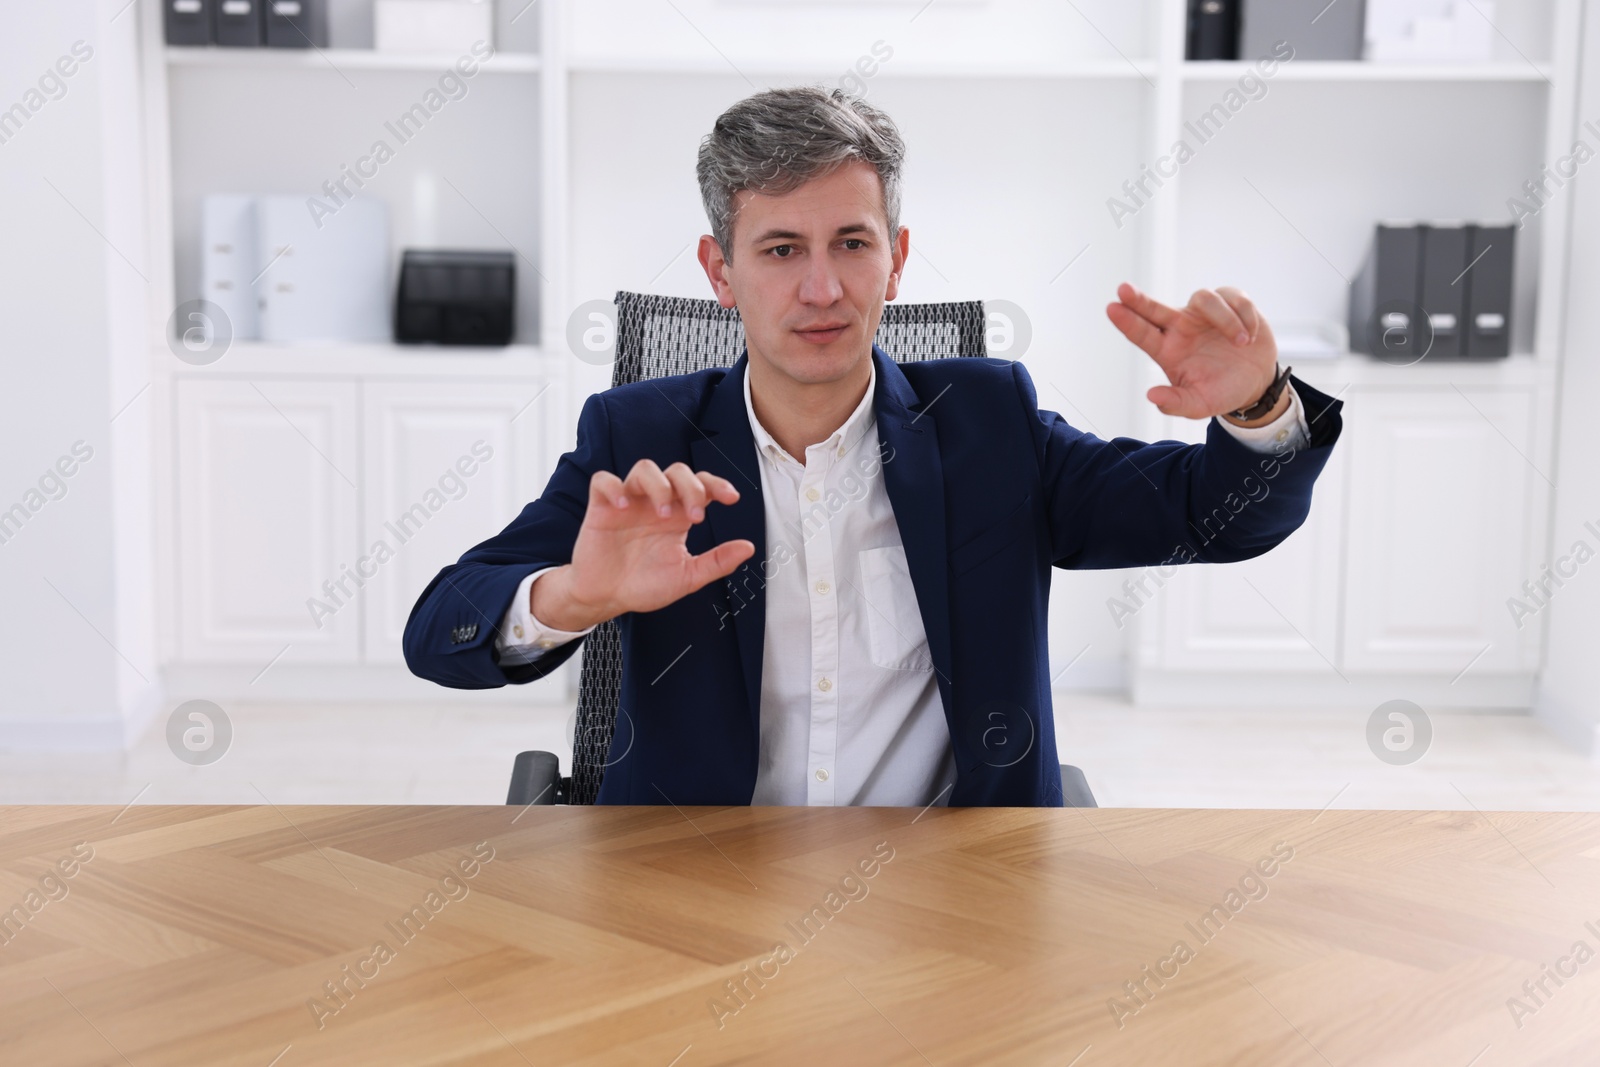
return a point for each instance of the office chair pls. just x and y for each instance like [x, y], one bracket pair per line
[664, 335]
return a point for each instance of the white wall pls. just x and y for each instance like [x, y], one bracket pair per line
[1569, 687]
[75, 578]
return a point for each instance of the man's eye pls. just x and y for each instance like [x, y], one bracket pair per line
[857, 240]
[774, 248]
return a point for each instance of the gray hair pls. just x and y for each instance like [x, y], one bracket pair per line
[775, 141]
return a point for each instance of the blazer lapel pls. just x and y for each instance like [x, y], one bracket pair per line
[914, 477]
[727, 448]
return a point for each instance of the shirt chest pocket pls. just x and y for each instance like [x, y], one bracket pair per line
[895, 637]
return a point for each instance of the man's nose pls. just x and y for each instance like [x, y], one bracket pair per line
[821, 282]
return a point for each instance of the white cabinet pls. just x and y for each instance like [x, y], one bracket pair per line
[449, 465]
[1423, 523]
[1439, 531]
[1278, 612]
[269, 489]
[312, 513]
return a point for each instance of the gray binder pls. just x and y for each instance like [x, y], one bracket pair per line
[187, 21]
[1385, 317]
[1490, 251]
[1316, 29]
[239, 23]
[297, 23]
[1444, 287]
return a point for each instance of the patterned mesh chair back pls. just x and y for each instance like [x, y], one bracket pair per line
[659, 336]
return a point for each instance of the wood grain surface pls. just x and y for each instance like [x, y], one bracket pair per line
[663, 937]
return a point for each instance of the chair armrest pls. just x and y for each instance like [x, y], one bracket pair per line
[1074, 788]
[536, 779]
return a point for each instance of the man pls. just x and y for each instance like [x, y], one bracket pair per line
[830, 571]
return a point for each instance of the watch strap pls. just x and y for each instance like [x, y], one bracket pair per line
[1268, 400]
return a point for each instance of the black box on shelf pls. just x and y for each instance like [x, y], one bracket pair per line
[239, 23]
[296, 23]
[456, 297]
[1438, 290]
[187, 21]
[1213, 30]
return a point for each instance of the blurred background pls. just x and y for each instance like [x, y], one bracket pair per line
[282, 283]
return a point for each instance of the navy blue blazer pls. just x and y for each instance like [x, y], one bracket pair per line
[989, 493]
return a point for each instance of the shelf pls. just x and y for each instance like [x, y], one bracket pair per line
[1087, 68]
[1114, 69]
[1520, 369]
[370, 361]
[1356, 70]
[343, 58]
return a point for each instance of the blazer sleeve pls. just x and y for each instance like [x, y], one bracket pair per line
[450, 634]
[1130, 503]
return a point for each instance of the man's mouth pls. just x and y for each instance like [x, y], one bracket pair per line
[823, 334]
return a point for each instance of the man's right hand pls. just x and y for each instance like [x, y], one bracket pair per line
[631, 552]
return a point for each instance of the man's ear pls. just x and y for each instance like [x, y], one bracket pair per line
[716, 268]
[899, 252]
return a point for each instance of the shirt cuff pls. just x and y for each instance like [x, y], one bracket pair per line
[1288, 430]
[523, 638]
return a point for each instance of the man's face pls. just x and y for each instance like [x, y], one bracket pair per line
[810, 273]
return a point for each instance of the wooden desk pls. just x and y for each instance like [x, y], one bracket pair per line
[199, 935]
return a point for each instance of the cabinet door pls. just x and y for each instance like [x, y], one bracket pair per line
[1277, 612]
[267, 480]
[1440, 504]
[449, 465]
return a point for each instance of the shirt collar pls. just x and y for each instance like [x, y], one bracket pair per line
[857, 425]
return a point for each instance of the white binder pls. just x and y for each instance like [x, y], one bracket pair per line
[327, 282]
[228, 260]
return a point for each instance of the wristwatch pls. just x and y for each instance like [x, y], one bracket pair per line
[1268, 400]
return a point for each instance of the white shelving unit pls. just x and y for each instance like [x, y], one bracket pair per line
[283, 465]
[1023, 118]
[1434, 507]
[1335, 70]
[337, 59]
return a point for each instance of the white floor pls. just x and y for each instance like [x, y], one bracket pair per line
[1133, 757]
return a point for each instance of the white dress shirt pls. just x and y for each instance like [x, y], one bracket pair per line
[850, 707]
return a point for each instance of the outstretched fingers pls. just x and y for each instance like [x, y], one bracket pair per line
[1211, 307]
[1242, 306]
[1135, 328]
[661, 489]
[1147, 307]
[718, 562]
[690, 490]
[647, 481]
[607, 489]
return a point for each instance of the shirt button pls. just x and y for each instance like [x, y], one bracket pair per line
[1282, 434]
[812, 494]
[517, 630]
[824, 685]
[545, 642]
[822, 774]
[823, 587]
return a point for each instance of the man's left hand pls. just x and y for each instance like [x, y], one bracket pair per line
[1218, 352]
